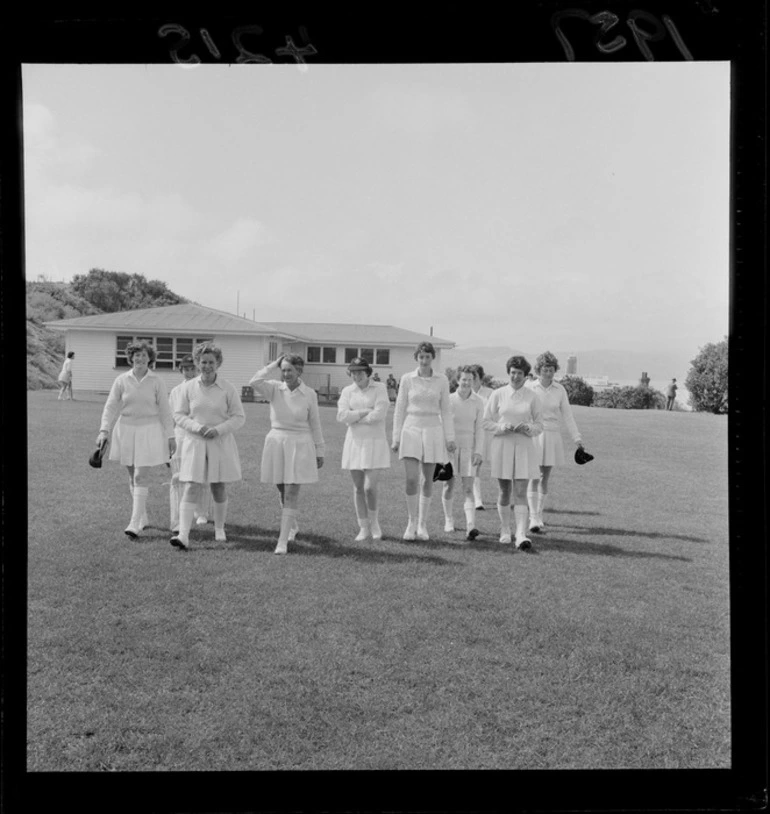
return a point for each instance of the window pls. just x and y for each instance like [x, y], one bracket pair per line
[350, 355]
[272, 351]
[367, 354]
[383, 356]
[315, 353]
[169, 350]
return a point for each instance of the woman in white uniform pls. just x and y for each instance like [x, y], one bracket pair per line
[65, 378]
[294, 448]
[556, 408]
[363, 406]
[209, 410]
[138, 419]
[515, 416]
[468, 416]
[484, 392]
[423, 435]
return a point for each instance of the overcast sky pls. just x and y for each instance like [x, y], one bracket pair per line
[565, 205]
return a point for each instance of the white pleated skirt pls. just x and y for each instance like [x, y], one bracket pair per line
[142, 444]
[424, 443]
[550, 448]
[365, 453]
[514, 457]
[289, 457]
[209, 460]
[462, 462]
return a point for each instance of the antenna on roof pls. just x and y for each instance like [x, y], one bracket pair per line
[237, 303]
[431, 330]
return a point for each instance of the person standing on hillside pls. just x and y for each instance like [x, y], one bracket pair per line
[671, 395]
[423, 435]
[483, 392]
[65, 378]
[392, 386]
[363, 406]
[556, 408]
[209, 410]
[137, 417]
[294, 448]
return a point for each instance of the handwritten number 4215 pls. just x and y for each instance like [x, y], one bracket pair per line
[607, 20]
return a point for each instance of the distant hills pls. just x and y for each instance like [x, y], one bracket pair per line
[619, 366]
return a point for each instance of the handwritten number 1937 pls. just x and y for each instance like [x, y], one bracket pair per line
[607, 21]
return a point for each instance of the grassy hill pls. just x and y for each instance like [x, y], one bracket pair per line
[45, 348]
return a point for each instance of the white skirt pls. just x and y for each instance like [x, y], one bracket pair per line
[462, 463]
[550, 448]
[289, 457]
[365, 453]
[424, 443]
[139, 444]
[209, 460]
[515, 457]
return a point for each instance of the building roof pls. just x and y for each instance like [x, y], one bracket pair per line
[199, 319]
[359, 334]
[184, 318]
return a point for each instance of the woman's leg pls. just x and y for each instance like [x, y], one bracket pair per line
[412, 488]
[371, 481]
[447, 498]
[290, 494]
[521, 512]
[359, 501]
[219, 495]
[426, 493]
[469, 507]
[504, 509]
[190, 496]
[139, 477]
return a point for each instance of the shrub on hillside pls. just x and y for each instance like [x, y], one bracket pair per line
[630, 398]
[707, 379]
[113, 291]
[578, 391]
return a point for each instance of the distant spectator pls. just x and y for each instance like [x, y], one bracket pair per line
[137, 417]
[376, 377]
[671, 395]
[392, 386]
[65, 378]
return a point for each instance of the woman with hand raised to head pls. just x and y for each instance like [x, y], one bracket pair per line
[294, 448]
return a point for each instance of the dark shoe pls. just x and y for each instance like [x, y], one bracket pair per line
[472, 534]
[525, 545]
[480, 508]
[131, 534]
[177, 542]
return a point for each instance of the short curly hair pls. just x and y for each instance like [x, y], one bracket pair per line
[546, 359]
[360, 363]
[294, 360]
[518, 362]
[137, 347]
[478, 370]
[207, 347]
[425, 347]
[466, 369]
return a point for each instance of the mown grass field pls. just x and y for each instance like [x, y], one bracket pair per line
[607, 647]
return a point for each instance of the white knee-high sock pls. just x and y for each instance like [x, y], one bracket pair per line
[521, 513]
[174, 499]
[374, 519]
[220, 515]
[139, 509]
[422, 517]
[469, 507]
[504, 512]
[362, 513]
[411, 507]
[288, 517]
[532, 497]
[540, 502]
[448, 504]
[477, 491]
[186, 514]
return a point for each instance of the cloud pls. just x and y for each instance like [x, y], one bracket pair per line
[419, 110]
[236, 242]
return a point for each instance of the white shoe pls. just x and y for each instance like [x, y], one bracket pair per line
[505, 537]
[201, 520]
[409, 534]
[534, 524]
[449, 525]
[220, 536]
[376, 531]
[422, 533]
[281, 548]
[293, 532]
[525, 544]
[362, 535]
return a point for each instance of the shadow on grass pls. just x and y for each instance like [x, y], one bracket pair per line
[570, 511]
[308, 544]
[598, 549]
[653, 535]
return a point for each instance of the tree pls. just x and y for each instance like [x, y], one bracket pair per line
[630, 398]
[578, 391]
[707, 379]
[112, 291]
[451, 374]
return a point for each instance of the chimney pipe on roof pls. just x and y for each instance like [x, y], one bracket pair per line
[431, 330]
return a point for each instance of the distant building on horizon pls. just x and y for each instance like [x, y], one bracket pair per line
[572, 365]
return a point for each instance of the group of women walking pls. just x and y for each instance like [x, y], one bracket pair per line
[436, 435]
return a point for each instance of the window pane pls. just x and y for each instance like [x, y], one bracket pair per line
[150, 340]
[120, 350]
[165, 344]
[330, 355]
[383, 356]
[350, 354]
[368, 355]
[272, 353]
[313, 354]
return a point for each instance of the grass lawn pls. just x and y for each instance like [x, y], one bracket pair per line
[606, 647]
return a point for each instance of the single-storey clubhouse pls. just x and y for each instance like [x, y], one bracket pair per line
[99, 344]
